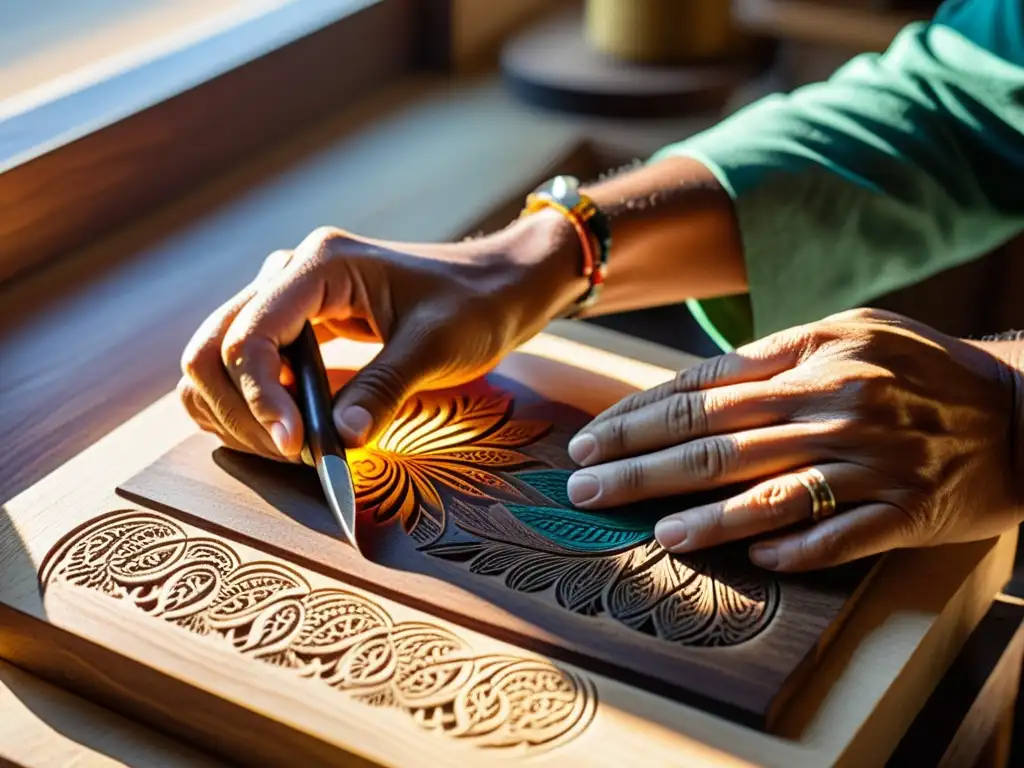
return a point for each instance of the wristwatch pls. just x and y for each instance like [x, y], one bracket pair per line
[563, 194]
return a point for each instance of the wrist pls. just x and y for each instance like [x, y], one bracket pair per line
[546, 251]
[1009, 358]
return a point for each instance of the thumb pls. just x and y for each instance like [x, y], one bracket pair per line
[368, 402]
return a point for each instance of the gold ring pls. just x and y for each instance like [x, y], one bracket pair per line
[823, 501]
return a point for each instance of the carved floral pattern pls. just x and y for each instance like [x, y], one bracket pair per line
[456, 442]
[591, 564]
[268, 611]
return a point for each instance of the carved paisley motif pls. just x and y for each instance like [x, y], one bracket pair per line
[268, 611]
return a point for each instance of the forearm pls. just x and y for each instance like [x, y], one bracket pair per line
[899, 166]
[1008, 349]
[674, 237]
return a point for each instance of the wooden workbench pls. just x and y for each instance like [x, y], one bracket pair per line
[95, 340]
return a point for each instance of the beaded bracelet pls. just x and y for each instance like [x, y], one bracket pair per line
[562, 194]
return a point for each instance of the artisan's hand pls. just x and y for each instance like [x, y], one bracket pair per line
[913, 431]
[445, 313]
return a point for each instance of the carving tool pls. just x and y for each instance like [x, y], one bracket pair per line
[323, 448]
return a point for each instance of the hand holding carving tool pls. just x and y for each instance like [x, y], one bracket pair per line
[323, 444]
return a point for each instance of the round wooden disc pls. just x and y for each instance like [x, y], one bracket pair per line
[553, 66]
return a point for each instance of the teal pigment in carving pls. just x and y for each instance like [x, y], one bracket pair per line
[574, 529]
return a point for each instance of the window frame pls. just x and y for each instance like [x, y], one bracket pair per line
[77, 163]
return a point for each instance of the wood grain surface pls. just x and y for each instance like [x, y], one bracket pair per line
[42, 726]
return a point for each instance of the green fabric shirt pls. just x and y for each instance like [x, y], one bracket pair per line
[901, 165]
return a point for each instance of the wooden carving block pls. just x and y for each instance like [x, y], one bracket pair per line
[463, 513]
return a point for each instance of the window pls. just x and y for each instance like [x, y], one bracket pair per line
[110, 107]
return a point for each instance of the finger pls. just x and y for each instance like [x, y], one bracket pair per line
[684, 416]
[200, 413]
[700, 465]
[203, 365]
[251, 348]
[368, 402]
[195, 405]
[756, 362]
[860, 532]
[777, 503]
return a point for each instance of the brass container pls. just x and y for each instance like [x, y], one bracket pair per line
[662, 31]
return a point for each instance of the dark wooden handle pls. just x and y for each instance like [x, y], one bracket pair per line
[313, 394]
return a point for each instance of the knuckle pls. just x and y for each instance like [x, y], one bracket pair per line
[187, 395]
[709, 460]
[867, 389]
[774, 500]
[261, 405]
[323, 236]
[233, 352]
[818, 336]
[703, 374]
[276, 257]
[385, 382]
[273, 264]
[685, 415]
[824, 545]
[855, 315]
[196, 359]
[612, 434]
[630, 476]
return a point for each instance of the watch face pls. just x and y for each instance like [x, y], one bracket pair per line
[563, 189]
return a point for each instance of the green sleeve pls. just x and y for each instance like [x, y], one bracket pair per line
[901, 165]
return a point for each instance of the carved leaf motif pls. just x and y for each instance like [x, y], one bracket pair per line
[369, 667]
[515, 701]
[144, 564]
[336, 620]
[518, 432]
[576, 530]
[536, 572]
[213, 552]
[497, 524]
[274, 628]
[84, 559]
[187, 591]
[252, 588]
[643, 588]
[582, 532]
[494, 561]
[552, 483]
[484, 456]
[581, 588]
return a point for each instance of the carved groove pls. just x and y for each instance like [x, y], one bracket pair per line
[268, 611]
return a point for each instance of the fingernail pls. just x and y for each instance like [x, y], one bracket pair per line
[355, 421]
[765, 556]
[670, 533]
[582, 447]
[279, 434]
[583, 487]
